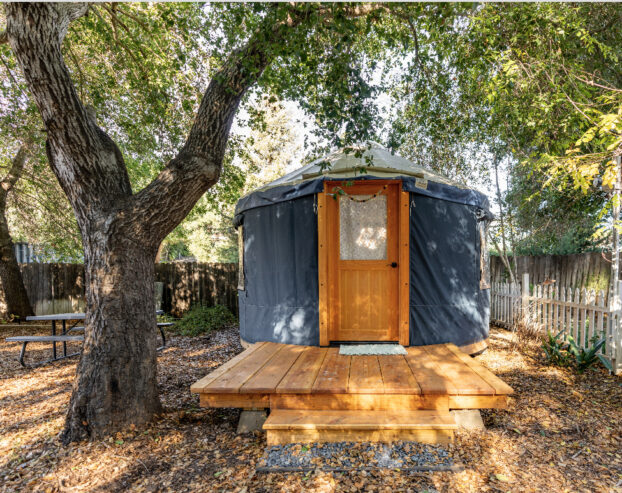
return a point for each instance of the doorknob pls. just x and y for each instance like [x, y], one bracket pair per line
[393, 264]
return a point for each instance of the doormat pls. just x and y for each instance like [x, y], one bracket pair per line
[371, 349]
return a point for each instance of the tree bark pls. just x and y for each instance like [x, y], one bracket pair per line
[15, 295]
[116, 381]
[503, 251]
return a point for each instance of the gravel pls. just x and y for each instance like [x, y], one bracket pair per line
[349, 455]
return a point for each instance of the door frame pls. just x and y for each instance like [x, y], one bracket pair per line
[326, 301]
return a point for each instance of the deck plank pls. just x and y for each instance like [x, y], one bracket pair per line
[270, 375]
[501, 388]
[334, 373]
[199, 386]
[427, 372]
[290, 419]
[397, 376]
[361, 402]
[232, 380]
[462, 377]
[291, 426]
[301, 376]
[431, 372]
[365, 376]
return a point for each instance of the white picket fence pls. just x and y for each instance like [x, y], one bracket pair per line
[581, 313]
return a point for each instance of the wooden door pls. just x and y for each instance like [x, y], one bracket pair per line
[363, 260]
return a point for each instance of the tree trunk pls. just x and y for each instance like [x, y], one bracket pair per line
[503, 253]
[116, 380]
[15, 295]
[121, 230]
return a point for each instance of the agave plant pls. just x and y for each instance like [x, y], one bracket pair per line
[555, 349]
[584, 358]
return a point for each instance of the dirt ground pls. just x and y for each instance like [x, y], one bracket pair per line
[561, 432]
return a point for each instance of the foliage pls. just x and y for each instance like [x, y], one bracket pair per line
[201, 319]
[584, 358]
[567, 353]
[143, 68]
[434, 124]
[37, 211]
[535, 84]
[554, 220]
[138, 66]
[554, 349]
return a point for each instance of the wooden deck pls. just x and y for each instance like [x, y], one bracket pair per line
[304, 378]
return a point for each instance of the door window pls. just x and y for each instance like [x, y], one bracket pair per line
[363, 227]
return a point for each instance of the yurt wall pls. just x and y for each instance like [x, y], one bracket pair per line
[280, 298]
[446, 302]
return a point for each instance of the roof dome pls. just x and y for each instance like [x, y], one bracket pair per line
[375, 160]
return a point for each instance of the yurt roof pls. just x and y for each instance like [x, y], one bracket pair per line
[375, 159]
[374, 162]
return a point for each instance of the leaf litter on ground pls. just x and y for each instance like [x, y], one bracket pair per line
[561, 432]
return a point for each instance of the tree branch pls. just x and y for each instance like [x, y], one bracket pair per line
[9, 181]
[15, 172]
[86, 161]
[197, 166]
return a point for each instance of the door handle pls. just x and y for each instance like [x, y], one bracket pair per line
[393, 264]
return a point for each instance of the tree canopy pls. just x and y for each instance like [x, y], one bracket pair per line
[535, 84]
[137, 101]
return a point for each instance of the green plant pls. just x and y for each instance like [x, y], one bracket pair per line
[554, 349]
[201, 319]
[566, 353]
[584, 358]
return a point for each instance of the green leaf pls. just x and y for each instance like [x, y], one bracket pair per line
[606, 362]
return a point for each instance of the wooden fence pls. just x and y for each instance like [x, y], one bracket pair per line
[580, 313]
[54, 288]
[59, 288]
[190, 283]
[583, 270]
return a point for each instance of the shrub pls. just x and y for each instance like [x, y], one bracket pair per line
[584, 358]
[555, 349]
[562, 353]
[201, 319]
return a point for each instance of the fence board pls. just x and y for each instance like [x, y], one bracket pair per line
[57, 288]
[580, 313]
[585, 270]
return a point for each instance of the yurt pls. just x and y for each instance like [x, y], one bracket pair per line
[364, 246]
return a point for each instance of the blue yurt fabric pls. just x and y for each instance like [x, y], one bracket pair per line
[449, 299]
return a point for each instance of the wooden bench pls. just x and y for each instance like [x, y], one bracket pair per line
[67, 338]
[26, 339]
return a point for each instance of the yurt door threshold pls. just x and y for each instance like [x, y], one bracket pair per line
[363, 261]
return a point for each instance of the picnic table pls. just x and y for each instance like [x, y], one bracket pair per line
[64, 337]
[58, 317]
